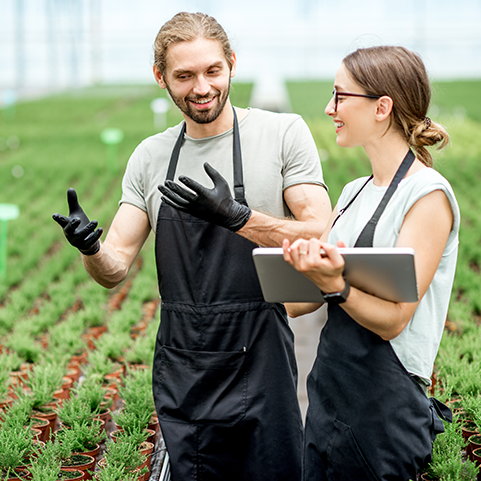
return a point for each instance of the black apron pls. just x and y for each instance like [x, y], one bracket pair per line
[225, 376]
[368, 418]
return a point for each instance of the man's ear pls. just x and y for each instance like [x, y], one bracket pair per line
[233, 62]
[159, 78]
[383, 107]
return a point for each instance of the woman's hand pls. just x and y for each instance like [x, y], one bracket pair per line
[319, 261]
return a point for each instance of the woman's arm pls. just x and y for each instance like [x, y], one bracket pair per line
[295, 309]
[426, 229]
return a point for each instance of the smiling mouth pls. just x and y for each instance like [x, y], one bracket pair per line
[202, 101]
[339, 124]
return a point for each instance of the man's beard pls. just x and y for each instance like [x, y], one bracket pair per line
[201, 117]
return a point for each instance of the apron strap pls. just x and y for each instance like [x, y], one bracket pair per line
[174, 157]
[366, 237]
[239, 192]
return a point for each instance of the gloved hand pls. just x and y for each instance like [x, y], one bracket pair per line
[212, 205]
[78, 230]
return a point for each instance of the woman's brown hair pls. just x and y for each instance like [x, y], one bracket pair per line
[185, 27]
[400, 74]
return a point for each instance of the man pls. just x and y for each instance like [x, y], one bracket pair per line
[224, 375]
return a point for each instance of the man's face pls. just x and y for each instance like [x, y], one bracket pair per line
[198, 78]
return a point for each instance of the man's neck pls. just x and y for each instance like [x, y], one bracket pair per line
[221, 124]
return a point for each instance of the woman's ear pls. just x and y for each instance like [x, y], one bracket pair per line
[383, 107]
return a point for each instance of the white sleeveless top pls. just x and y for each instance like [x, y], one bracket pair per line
[418, 344]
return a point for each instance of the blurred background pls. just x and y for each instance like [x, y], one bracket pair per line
[77, 95]
[50, 45]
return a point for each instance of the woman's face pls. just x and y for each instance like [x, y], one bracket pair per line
[354, 118]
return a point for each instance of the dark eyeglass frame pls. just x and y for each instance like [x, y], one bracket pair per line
[346, 94]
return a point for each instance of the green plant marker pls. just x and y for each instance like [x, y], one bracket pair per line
[7, 212]
[111, 138]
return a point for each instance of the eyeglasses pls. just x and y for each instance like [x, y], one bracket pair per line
[345, 94]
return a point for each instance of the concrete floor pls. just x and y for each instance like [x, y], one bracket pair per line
[306, 330]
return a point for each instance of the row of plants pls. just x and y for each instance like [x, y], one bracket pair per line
[49, 306]
[37, 446]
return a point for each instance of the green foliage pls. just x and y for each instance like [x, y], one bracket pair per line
[447, 463]
[76, 410]
[16, 444]
[91, 393]
[81, 437]
[124, 453]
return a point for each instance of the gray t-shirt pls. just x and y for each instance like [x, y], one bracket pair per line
[417, 345]
[278, 151]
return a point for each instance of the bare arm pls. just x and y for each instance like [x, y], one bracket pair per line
[127, 234]
[426, 228]
[309, 203]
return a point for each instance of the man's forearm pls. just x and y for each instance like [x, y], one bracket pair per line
[105, 267]
[267, 231]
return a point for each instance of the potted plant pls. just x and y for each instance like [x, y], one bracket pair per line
[112, 472]
[75, 410]
[86, 437]
[5, 400]
[126, 454]
[69, 459]
[47, 466]
[138, 438]
[15, 447]
[92, 393]
[447, 461]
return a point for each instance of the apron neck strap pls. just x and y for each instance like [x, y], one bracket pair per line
[366, 237]
[239, 193]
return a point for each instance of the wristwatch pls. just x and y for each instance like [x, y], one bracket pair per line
[337, 297]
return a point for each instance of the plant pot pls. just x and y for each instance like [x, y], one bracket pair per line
[50, 415]
[142, 477]
[469, 429]
[80, 358]
[82, 462]
[74, 372]
[155, 426]
[41, 424]
[93, 452]
[68, 473]
[147, 449]
[20, 473]
[474, 443]
[5, 404]
[477, 457]
[150, 439]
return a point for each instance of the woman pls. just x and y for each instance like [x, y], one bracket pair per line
[369, 417]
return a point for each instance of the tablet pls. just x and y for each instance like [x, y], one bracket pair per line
[386, 272]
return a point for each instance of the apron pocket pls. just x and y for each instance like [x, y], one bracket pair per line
[345, 462]
[202, 386]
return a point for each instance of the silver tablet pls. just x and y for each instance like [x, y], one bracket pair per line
[386, 272]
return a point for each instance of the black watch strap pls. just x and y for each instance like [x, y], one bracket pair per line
[337, 297]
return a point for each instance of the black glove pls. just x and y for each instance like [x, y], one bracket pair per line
[78, 230]
[212, 205]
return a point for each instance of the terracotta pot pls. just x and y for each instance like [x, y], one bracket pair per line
[97, 331]
[477, 457]
[41, 424]
[18, 378]
[474, 443]
[150, 438]
[155, 426]
[80, 474]
[146, 449]
[50, 415]
[79, 358]
[23, 473]
[74, 372]
[104, 418]
[93, 452]
[5, 404]
[87, 465]
[469, 429]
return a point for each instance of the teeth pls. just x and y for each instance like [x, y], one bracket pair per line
[339, 124]
[203, 101]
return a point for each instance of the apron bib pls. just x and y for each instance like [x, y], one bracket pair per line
[368, 418]
[225, 376]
